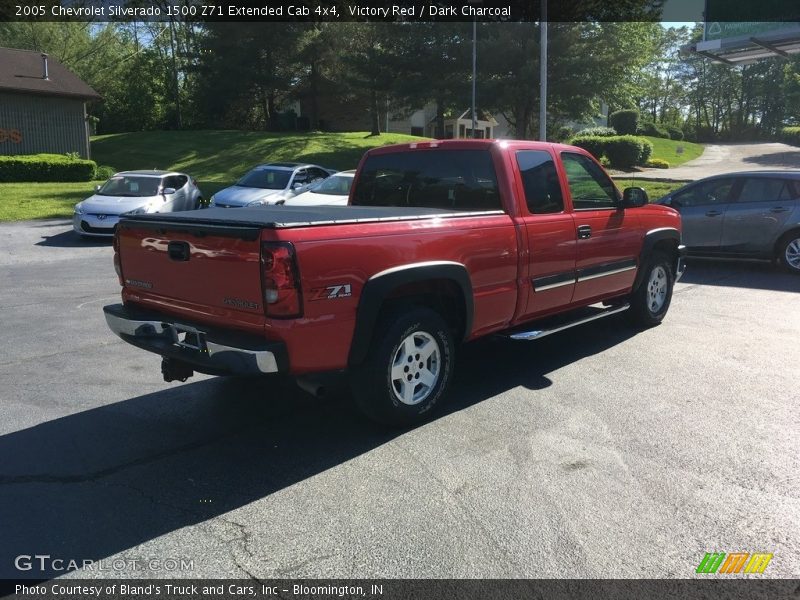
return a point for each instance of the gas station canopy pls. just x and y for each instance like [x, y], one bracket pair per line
[745, 43]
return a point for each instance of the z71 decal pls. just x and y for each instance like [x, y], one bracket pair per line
[332, 292]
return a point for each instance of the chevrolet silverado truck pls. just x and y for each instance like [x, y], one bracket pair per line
[442, 242]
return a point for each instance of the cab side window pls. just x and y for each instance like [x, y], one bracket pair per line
[540, 181]
[589, 186]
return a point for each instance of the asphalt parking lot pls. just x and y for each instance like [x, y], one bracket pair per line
[598, 452]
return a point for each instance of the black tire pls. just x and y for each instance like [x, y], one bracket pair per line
[378, 394]
[789, 252]
[650, 301]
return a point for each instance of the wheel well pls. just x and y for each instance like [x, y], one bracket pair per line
[669, 247]
[441, 295]
[777, 248]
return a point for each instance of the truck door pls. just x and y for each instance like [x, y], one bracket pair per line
[550, 231]
[609, 238]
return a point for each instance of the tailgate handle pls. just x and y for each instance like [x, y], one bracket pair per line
[178, 250]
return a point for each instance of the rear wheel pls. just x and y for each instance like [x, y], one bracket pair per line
[408, 370]
[789, 252]
[651, 300]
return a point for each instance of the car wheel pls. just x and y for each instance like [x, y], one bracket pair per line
[651, 300]
[789, 252]
[408, 370]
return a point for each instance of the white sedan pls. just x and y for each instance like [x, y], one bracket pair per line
[133, 193]
[333, 190]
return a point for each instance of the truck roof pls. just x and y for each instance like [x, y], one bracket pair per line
[464, 144]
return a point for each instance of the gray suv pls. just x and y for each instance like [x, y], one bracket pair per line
[753, 214]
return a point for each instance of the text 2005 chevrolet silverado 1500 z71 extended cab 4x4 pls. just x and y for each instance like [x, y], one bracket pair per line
[443, 242]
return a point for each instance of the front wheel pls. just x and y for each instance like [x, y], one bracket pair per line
[408, 370]
[789, 253]
[651, 300]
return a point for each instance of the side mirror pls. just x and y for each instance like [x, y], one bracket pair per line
[634, 197]
[168, 191]
[97, 188]
[297, 185]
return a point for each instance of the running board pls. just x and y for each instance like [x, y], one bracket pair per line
[535, 334]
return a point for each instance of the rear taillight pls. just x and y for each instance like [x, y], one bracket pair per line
[117, 263]
[280, 280]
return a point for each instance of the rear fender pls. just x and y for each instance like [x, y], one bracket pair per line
[380, 287]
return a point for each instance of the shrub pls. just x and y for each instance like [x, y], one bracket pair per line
[624, 121]
[597, 131]
[626, 151]
[559, 134]
[621, 151]
[653, 130]
[657, 163]
[104, 172]
[675, 133]
[593, 144]
[790, 135]
[646, 151]
[45, 167]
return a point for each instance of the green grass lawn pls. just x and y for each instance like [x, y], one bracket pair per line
[215, 158]
[22, 201]
[224, 156]
[654, 189]
[668, 150]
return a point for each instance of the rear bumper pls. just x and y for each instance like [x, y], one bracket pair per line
[206, 349]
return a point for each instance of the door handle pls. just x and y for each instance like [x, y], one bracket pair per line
[778, 209]
[713, 213]
[584, 232]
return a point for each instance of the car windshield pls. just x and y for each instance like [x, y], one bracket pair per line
[127, 185]
[267, 179]
[336, 185]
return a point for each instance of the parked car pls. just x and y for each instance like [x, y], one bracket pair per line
[135, 192]
[750, 214]
[269, 184]
[335, 190]
[443, 242]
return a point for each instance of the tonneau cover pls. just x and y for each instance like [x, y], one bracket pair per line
[284, 217]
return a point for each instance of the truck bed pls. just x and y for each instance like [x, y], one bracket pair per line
[286, 217]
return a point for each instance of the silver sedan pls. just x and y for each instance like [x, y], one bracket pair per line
[134, 192]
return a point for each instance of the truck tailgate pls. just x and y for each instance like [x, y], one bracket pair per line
[199, 270]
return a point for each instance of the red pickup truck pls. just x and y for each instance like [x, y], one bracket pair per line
[442, 242]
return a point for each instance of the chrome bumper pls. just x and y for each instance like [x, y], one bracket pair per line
[217, 352]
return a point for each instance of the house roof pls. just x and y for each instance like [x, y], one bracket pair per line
[21, 71]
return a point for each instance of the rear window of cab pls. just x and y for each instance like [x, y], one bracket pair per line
[461, 180]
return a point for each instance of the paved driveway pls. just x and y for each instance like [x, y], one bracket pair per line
[727, 158]
[597, 452]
